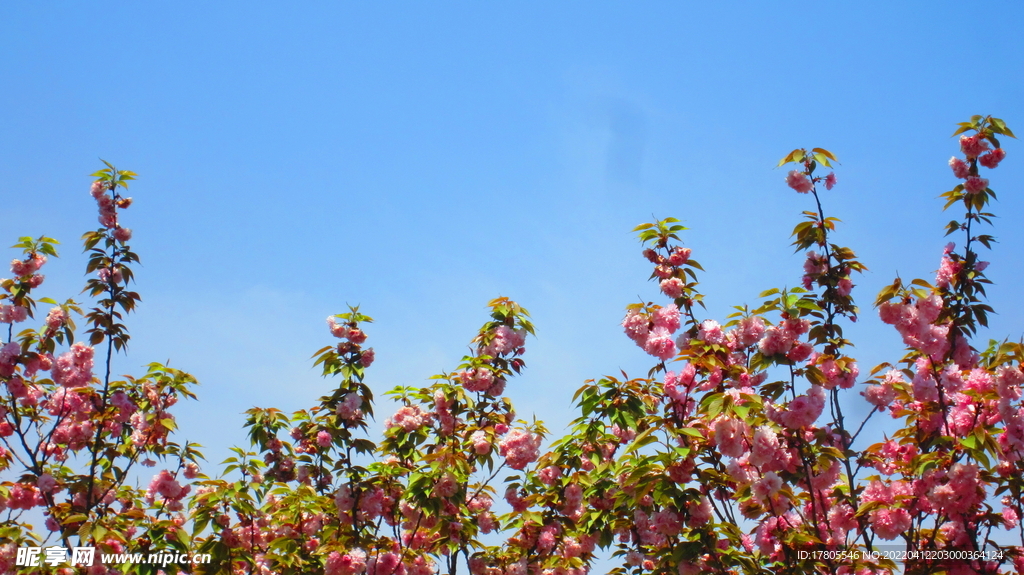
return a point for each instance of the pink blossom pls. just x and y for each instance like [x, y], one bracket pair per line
[711, 332]
[1008, 382]
[573, 496]
[679, 256]
[888, 523]
[29, 266]
[167, 486]
[962, 492]
[992, 159]
[960, 168]
[672, 287]
[486, 522]
[323, 438]
[550, 474]
[764, 488]
[55, 318]
[122, 234]
[366, 357]
[973, 146]
[974, 184]
[729, 436]
[479, 379]
[385, 564]
[890, 313]
[765, 446]
[337, 329]
[666, 522]
[520, 448]
[800, 352]
[349, 408]
[409, 418]
[660, 344]
[624, 435]
[99, 187]
[830, 181]
[513, 498]
[667, 317]
[799, 182]
[46, 483]
[947, 271]
[505, 340]
[24, 496]
[355, 335]
[801, 411]
[479, 503]
[796, 327]
[750, 330]
[447, 486]
[546, 540]
[74, 368]
[13, 314]
[1010, 517]
[108, 277]
[881, 396]
[636, 326]
[481, 443]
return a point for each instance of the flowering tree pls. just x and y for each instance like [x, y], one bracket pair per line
[72, 435]
[732, 463]
[735, 454]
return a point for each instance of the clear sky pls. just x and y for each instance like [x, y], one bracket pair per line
[420, 159]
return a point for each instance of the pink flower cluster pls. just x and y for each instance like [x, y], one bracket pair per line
[351, 563]
[25, 272]
[373, 503]
[108, 206]
[678, 389]
[348, 331]
[957, 491]
[74, 368]
[165, 485]
[974, 147]
[783, 339]
[409, 418]
[349, 408]
[29, 266]
[802, 411]
[9, 355]
[520, 448]
[481, 379]
[882, 395]
[481, 442]
[55, 318]
[842, 375]
[992, 159]
[654, 332]
[13, 313]
[504, 340]
[915, 322]
[667, 269]
[799, 181]
[385, 564]
[830, 181]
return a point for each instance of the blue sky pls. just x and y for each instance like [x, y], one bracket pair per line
[420, 159]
